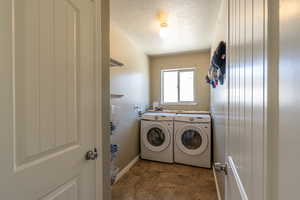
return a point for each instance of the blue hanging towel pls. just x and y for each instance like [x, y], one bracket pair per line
[114, 148]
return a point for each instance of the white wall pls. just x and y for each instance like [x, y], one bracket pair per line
[197, 60]
[131, 80]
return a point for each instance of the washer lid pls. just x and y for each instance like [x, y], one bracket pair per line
[192, 140]
[200, 118]
[156, 137]
[158, 116]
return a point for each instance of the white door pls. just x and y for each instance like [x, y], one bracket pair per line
[246, 122]
[47, 103]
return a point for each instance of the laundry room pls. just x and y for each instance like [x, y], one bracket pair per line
[167, 66]
[149, 99]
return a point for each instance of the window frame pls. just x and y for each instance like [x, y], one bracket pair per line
[179, 70]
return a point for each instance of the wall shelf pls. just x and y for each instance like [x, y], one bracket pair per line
[114, 95]
[115, 63]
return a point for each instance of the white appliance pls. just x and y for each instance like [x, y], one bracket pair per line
[192, 139]
[157, 137]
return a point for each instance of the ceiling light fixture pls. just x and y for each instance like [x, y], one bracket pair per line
[163, 32]
[163, 18]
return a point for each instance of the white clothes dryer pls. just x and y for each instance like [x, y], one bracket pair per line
[192, 139]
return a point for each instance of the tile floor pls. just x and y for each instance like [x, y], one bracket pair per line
[148, 180]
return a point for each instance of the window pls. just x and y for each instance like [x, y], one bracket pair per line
[177, 86]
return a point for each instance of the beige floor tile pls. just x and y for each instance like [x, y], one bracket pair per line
[148, 180]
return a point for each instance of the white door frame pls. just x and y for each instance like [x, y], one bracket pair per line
[103, 191]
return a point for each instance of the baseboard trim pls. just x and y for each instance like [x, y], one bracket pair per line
[217, 184]
[127, 168]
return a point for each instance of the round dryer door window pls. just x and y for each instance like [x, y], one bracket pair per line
[156, 137]
[192, 140]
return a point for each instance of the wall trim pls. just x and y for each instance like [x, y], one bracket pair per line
[102, 97]
[127, 168]
[217, 184]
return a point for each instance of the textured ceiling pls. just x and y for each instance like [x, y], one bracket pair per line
[191, 23]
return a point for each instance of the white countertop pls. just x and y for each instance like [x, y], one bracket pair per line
[180, 111]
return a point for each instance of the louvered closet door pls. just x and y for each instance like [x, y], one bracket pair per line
[47, 118]
[245, 149]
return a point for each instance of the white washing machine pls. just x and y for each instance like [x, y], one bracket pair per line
[157, 137]
[192, 139]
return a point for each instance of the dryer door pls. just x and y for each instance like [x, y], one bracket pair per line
[192, 140]
[156, 137]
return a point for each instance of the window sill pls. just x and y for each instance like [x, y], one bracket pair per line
[180, 104]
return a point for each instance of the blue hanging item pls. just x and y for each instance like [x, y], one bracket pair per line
[217, 70]
[219, 57]
[114, 148]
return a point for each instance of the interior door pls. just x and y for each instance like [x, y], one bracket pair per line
[47, 118]
[233, 184]
[246, 122]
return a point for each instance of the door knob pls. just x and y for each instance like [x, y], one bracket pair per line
[221, 167]
[91, 155]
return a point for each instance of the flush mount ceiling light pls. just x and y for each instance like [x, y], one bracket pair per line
[163, 18]
[164, 31]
